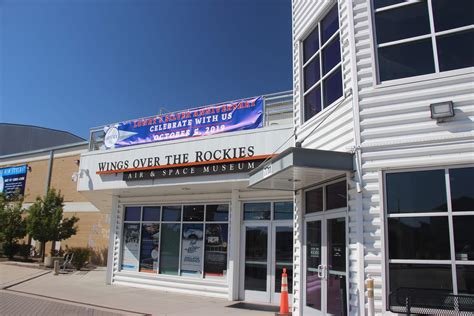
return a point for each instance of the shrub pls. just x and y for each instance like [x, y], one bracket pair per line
[24, 250]
[11, 249]
[80, 257]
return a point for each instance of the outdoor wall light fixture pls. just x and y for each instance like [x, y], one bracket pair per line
[442, 110]
[77, 162]
[29, 168]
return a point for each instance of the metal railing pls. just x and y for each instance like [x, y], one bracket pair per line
[274, 104]
[430, 302]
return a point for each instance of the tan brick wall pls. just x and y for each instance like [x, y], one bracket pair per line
[63, 168]
[36, 180]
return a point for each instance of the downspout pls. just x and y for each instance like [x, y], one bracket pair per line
[46, 189]
[358, 162]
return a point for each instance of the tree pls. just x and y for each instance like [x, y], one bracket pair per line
[12, 224]
[45, 220]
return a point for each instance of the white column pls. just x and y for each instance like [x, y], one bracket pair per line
[233, 273]
[112, 238]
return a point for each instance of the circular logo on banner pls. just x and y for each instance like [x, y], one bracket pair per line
[111, 137]
[2, 183]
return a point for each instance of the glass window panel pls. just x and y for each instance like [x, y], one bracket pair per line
[311, 73]
[456, 50]
[464, 237]
[332, 87]
[149, 248]
[420, 276]
[329, 25]
[151, 213]
[403, 22]
[256, 248]
[331, 55]
[169, 255]
[406, 60]
[217, 213]
[191, 249]
[336, 195]
[419, 238]
[172, 213]
[132, 213]
[420, 191]
[337, 244]
[465, 276]
[193, 213]
[312, 103]
[283, 210]
[283, 256]
[215, 258]
[449, 15]
[314, 200]
[385, 3]
[336, 295]
[310, 45]
[313, 260]
[462, 189]
[255, 277]
[130, 246]
[257, 211]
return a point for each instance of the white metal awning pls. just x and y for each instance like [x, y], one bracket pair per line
[297, 168]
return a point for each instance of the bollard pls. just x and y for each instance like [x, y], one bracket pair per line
[56, 267]
[370, 296]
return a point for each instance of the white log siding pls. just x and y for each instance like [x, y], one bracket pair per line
[396, 132]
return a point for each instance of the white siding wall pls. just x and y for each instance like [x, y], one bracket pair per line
[331, 129]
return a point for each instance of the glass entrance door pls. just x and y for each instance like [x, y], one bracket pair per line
[268, 249]
[325, 265]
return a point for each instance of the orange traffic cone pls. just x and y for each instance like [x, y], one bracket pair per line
[284, 310]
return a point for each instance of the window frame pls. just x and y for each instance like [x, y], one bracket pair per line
[323, 185]
[327, 7]
[437, 74]
[452, 262]
[181, 222]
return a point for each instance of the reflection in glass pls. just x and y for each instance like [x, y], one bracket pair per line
[311, 73]
[130, 246]
[149, 248]
[169, 256]
[217, 213]
[132, 213]
[283, 256]
[406, 60]
[283, 210]
[448, 16]
[420, 276]
[313, 260]
[256, 248]
[336, 244]
[215, 257]
[420, 191]
[314, 200]
[332, 87]
[331, 55]
[403, 22]
[384, 3]
[453, 53]
[193, 213]
[419, 238]
[336, 195]
[191, 249]
[464, 237]
[465, 276]
[257, 211]
[336, 295]
[311, 45]
[151, 213]
[462, 189]
[312, 103]
[329, 25]
[172, 213]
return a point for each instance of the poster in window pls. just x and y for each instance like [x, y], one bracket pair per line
[191, 257]
[130, 250]
[215, 260]
[150, 248]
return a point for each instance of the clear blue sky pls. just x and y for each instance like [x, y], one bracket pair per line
[76, 64]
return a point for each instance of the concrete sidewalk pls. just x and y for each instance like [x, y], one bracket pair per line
[12, 273]
[88, 287]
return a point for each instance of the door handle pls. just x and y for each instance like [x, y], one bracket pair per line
[320, 271]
